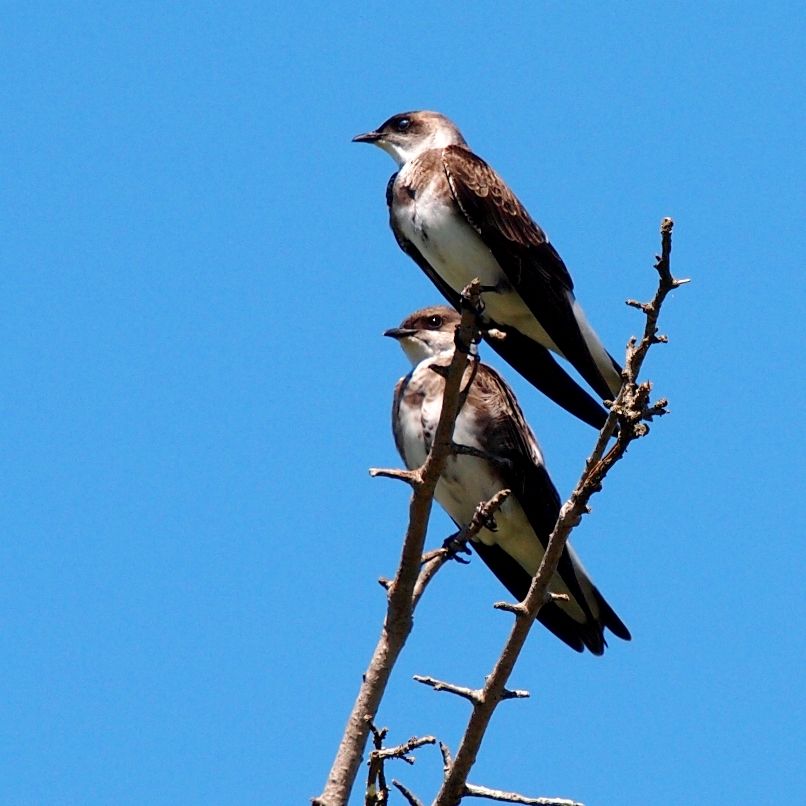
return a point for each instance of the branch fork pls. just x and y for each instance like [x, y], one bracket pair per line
[628, 420]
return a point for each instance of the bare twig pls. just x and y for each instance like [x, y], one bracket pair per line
[447, 761]
[400, 599]
[629, 409]
[473, 791]
[434, 560]
[460, 691]
[377, 793]
[409, 476]
[403, 750]
[410, 797]
[472, 694]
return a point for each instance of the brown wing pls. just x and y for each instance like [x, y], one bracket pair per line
[511, 441]
[496, 212]
[530, 262]
[531, 359]
[522, 470]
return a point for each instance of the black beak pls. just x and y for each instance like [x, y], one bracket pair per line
[368, 137]
[399, 332]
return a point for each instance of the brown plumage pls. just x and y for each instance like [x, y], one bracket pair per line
[457, 219]
[507, 456]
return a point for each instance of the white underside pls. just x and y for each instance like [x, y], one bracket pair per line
[458, 255]
[595, 347]
[468, 480]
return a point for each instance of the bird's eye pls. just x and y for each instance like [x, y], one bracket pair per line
[434, 322]
[403, 124]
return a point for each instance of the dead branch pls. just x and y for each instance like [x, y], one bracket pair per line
[473, 791]
[410, 797]
[434, 560]
[472, 694]
[628, 413]
[403, 750]
[460, 691]
[400, 593]
[377, 793]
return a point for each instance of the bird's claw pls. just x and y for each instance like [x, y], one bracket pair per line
[456, 545]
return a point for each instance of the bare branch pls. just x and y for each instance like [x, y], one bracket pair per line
[510, 607]
[514, 694]
[472, 694]
[627, 412]
[403, 750]
[473, 791]
[409, 476]
[447, 761]
[377, 735]
[434, 560]
[410, 797]
[377, 793]
[400, 594]
[519, 608]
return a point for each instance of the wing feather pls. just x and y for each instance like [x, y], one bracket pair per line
[532, 265]
[511, 440]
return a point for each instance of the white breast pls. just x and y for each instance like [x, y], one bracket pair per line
[454, 249]
[466, 480]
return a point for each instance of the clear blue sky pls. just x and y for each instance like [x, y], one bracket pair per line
[197, 272]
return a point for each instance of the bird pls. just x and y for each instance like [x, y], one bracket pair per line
[497, 450]
[458, 220]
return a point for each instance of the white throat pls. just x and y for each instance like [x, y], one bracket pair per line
[418, 349]
[408, 150]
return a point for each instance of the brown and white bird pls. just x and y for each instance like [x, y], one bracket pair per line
[457, 219]
[506, 456]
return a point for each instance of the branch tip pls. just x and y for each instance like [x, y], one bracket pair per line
[411, 477]
[410, 797]
[474, 695]
[475, 791]
[508, 607]
[515, 694]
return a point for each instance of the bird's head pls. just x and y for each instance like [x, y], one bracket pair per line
[408, 135]
[427, 333]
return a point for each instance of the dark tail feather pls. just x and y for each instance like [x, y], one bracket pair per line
[610, 620]
[577, 635]
[602, 388]
[538, 366]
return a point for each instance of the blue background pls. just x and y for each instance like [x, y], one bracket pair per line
[196, 272]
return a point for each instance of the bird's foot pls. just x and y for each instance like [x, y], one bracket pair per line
[477, 307]
[455, 545]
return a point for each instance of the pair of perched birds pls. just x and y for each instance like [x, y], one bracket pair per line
[458, 220]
